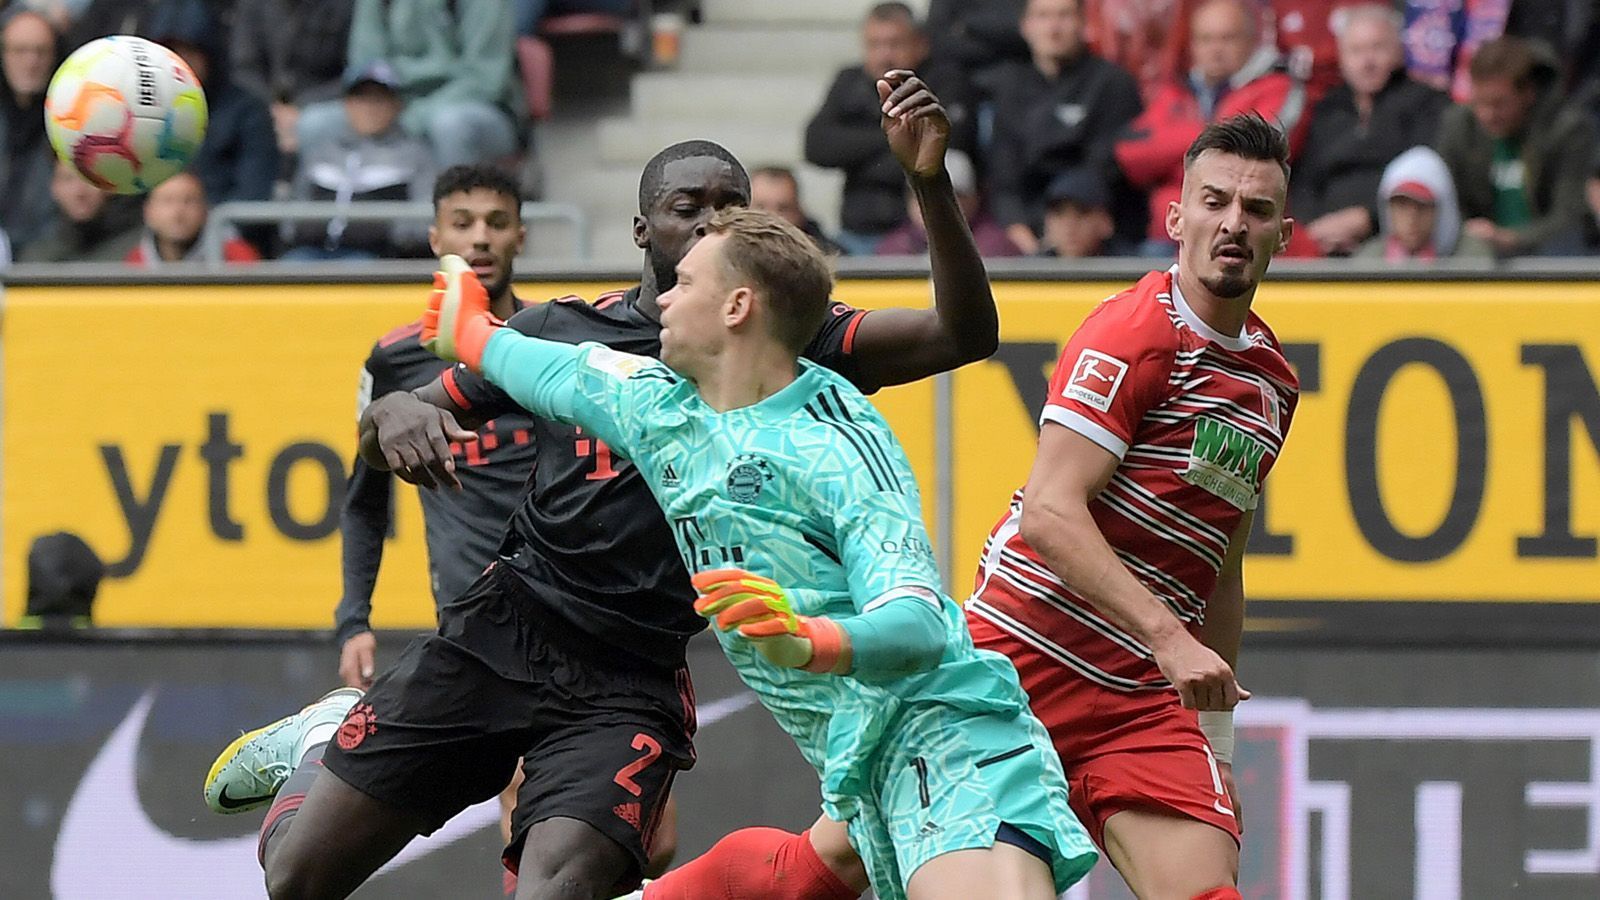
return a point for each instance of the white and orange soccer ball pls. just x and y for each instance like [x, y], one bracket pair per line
[127, 113]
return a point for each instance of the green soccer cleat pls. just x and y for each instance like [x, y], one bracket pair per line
[248, 774]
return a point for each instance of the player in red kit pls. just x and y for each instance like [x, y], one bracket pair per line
[1114, 581]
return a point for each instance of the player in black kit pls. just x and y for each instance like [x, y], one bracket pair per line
[463, 527]
[569, 651]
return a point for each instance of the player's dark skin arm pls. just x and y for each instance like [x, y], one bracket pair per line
[420, 425]
[896, 346]
[892, 346]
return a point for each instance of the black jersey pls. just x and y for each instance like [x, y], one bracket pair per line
[588, 537]
[463, 529]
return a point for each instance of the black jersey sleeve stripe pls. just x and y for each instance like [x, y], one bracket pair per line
[851, 439]
[864, 442]
[822, 548]
[870, 439]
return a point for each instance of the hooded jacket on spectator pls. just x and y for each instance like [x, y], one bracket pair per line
[291, 50]
[1422, 166]
[1344, 159]
[1151, 152]
[1558, 147]
[239, 158]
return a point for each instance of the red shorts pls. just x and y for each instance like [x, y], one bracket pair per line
[1120, 750]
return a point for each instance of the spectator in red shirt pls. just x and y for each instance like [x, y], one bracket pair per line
[174, 217]
[1229, 73]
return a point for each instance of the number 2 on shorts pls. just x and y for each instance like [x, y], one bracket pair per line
[652, 750]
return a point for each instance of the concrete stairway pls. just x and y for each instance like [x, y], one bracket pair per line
[749, 77]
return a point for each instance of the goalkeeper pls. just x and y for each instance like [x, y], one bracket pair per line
[773, 471]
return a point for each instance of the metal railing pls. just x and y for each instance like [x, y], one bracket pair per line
[224, 217]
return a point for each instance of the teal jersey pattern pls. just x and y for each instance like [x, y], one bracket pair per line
[810, 488]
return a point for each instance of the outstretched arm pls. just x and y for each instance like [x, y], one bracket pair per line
[896, 346]
[589, 385]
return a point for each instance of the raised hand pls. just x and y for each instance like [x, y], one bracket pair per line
[916, 124]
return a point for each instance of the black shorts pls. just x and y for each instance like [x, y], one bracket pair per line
[600, 735]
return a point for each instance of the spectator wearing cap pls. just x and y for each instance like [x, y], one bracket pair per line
[1374, 115]
[238, 160]
[372, 158]
[846, 131]
[1077, 219]
[453, 61]
[1519, 154]
[175, 213]
[1228, 71]
[290, 54]
[1420, 219]
[774, 189]
[1059, 111]
[910, 238]
[29, 51]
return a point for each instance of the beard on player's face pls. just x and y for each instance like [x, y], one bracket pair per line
[1228, 285]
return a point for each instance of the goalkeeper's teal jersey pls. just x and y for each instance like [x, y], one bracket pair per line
[810, 488]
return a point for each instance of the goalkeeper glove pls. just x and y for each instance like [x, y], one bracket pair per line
[457, 324]
[760, 609]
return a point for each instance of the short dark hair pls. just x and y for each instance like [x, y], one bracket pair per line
[457, 179]
[783, 265]
[1506, 57]
[650, 179]
[1246, 135]
[891, 12]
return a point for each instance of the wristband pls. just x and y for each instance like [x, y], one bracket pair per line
[827, 646]
[1218, 729]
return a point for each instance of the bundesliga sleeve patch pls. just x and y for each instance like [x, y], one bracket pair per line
[1095, 379]
[615, 363]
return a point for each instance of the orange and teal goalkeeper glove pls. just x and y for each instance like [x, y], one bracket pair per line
[457, 324]
[759, 608]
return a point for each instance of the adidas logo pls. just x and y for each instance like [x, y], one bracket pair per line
[929, 829]
[628, 812]
[669, 476]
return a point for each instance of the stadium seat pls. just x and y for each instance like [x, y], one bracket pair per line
[536, 59]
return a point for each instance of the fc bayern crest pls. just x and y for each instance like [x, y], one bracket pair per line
[746, 477]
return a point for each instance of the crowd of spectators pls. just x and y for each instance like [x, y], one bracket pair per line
[1076, 114]
[1421, 129]
[337, 100]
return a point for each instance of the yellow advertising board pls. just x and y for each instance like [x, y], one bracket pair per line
[197, 438]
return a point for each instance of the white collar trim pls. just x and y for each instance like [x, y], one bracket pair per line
[1238, 342]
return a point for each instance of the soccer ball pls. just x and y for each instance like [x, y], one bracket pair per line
[127, 113]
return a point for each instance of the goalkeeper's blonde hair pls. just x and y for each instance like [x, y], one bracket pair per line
[782, 265]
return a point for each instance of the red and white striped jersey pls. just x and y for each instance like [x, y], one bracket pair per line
[1197, 419]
